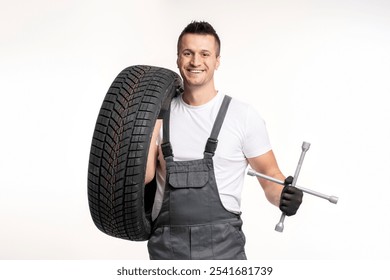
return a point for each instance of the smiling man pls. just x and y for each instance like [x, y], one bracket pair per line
[198, 58]
[200, 160]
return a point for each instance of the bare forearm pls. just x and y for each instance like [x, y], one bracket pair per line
[267, 165]
[272, 190]
[152, 155]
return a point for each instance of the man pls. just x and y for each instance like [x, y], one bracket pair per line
[200, 160]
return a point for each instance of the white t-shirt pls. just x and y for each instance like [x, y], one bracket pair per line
[243, 135]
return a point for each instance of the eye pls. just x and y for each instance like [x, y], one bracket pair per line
[186, 53]
[205, 54]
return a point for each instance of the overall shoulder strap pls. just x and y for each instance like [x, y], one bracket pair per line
[166, 146]
[211, 145]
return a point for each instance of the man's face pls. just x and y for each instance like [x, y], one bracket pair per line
[197, 60]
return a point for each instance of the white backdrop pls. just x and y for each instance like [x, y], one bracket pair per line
[317, 71]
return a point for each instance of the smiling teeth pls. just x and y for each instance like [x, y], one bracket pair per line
[196, 71]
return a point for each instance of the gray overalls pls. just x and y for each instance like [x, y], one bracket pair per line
[192, 223]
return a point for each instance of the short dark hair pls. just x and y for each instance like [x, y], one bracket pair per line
[202, 28]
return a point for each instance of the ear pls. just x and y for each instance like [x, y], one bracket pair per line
[218, 62]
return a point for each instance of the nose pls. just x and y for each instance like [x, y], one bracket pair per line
[195, 60]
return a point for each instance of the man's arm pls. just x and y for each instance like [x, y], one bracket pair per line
[287, 197]
[153, 154]
[267, 165]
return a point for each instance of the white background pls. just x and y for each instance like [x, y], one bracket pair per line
[317, 71]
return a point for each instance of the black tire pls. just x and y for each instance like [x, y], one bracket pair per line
[119, 201]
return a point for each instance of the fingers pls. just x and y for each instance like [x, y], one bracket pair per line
[288, 180]
[290, 200]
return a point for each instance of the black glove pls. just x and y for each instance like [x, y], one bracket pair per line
[291, 198]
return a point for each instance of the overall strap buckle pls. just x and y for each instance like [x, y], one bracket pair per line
[211, 147]
[167, 150]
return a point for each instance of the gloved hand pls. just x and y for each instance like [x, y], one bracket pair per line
[291, 198]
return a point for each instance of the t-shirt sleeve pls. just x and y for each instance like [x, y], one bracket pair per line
[256, 141]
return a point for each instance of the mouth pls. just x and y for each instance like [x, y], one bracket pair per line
[195, 71]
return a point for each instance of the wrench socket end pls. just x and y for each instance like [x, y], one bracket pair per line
[333, 199]
[305, 146]
[279, 227]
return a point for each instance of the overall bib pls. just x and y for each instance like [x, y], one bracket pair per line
[192, 223]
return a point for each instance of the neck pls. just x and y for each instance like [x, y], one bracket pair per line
[198, 96]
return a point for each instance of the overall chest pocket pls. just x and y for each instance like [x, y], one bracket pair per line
[189, 174]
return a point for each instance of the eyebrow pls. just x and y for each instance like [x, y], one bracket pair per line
[189, 50]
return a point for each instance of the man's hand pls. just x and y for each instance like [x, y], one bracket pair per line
[291, 198]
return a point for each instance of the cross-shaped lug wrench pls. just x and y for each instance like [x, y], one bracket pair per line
[305, 146]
